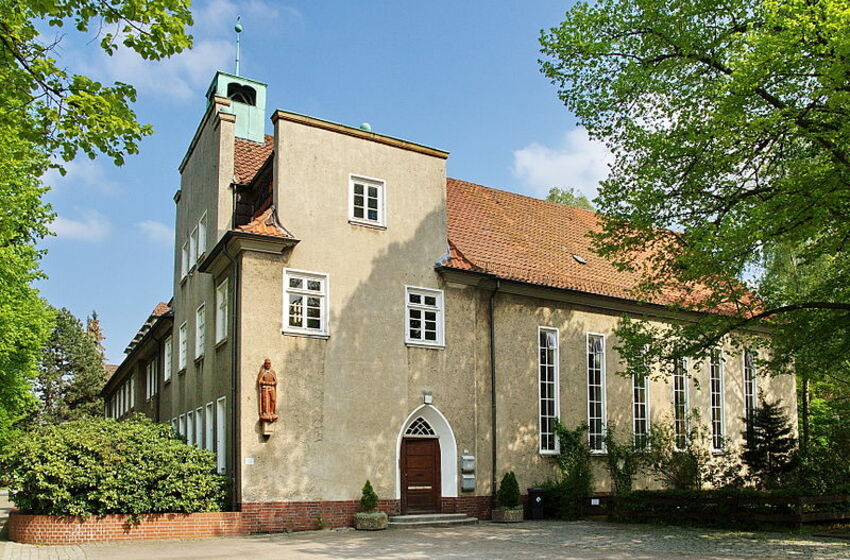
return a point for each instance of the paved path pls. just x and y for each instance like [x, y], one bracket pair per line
[540, 540]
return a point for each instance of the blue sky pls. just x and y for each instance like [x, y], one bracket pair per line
[460, 76]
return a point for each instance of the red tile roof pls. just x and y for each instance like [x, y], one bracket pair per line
[249, 157]
[159, 310]
[109, 370]
[520, 238]
[266, 224]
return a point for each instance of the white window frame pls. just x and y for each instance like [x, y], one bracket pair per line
[181, 422]
[686, 390]
[200, 330]
[750, 387]
[324, 297]
[168, 356]
[208, 426]
[182, 354]
[367, 182]
[150, 380]
[647, 414]
[132, 389]
[222, 310]
[199, 427]
[184, 260]
[193, 248]
[440, 309]
[603, 382]
[221, 435]
[718, 408]
[190, 427]
[556, 396]
[174, 424]
[202, 236]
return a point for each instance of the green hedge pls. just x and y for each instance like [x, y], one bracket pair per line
[100, 466]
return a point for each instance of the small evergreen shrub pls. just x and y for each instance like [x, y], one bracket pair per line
[565, 497]
[102, 466]
[770, 445]
[508, 494]
[369, 499]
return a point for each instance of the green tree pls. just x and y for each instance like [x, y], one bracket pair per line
[49, 115]
[728, 122]
[569, 197]
[70, 374]
[769, 447]
[508, 493]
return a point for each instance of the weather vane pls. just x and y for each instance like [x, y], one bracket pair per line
[238, 29]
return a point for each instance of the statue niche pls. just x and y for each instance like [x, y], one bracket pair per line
[267, 388]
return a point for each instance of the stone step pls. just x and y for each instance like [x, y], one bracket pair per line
[432, 520]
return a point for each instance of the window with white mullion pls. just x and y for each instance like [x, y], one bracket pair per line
[424, 316]
[150, 380]
[596, 394]
[222, 310]
[182, 335]
[200, 330]
[367, 201]
[184, 260]
[193, 247]
[715, 382]
[305, 299]
[680, 404]
[640, 410]
[750, 388]
[547, 345]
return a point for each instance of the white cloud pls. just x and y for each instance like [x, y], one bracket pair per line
[93, 227]
[578, 162]
[157, 232]
[82, 172]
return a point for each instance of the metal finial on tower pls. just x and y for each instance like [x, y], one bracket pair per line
[238, 29]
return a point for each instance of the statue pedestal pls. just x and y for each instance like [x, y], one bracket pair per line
[267, 428]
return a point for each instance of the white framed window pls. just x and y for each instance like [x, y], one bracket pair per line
[132, 392]
[681, 404]
[640, 410]
[221, 310]
[208, 427]
[150, 380]
[220, 435]
[423, 316]
[367, 201]
[181, 346]
[181, 429]
[202, 236]
[750, 388]
[190, 427]
[167, 356]
[549, 374]
[200, 330]
[184, 260]
[716, 396]
[596, 392]
[199, 427]
[193, 247]
[174, 425]
[305, 302]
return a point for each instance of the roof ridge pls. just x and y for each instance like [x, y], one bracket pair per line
[527, 196]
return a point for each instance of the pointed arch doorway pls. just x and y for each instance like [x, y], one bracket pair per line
[427, 462]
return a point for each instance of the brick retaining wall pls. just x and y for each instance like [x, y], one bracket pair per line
[48, 529]
[261, 517]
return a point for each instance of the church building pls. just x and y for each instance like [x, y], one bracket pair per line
[343, 311]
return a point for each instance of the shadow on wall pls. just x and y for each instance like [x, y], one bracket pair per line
[342, 401]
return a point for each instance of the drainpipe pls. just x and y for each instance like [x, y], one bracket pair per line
[235, 407]
[490, 310]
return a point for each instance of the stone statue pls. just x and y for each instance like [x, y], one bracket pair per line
[267, 385]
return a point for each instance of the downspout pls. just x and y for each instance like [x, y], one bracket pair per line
[235, 408]
[490, 310]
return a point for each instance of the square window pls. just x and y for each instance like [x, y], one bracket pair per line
[424, 316]
[367, 201]
[305, 295]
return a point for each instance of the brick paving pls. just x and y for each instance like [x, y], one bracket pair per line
[541, 540]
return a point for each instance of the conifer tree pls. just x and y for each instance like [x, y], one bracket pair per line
[769, 445]
[70, 374]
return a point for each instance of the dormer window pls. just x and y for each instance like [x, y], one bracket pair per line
[242, 94]
[367, 201]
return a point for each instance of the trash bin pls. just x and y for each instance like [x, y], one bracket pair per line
[536, 498]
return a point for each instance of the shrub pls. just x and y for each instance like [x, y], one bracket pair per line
[770, 446]
[624, 461]
[99, 466]
[565, 497]
[369, 499]
[508, 494]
